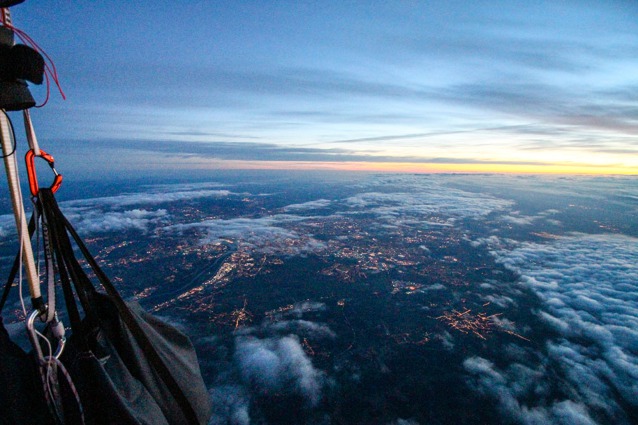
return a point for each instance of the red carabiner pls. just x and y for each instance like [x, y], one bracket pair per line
[33, 178]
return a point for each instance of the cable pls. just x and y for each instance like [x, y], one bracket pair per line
[47, 371]
[13, 135]
[69, 381]
[20, 238]
[49, 65]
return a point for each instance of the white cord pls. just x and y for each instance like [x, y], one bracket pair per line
[31, 138]
[54, 361]
[20, 238]
[11, 166]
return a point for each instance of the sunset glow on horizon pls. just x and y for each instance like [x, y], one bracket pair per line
[421, 168]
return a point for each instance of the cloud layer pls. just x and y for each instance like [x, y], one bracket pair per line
[268, 360]
[268, 235]
[278, 365]
[588, 286]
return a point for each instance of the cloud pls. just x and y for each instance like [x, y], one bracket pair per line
[587, 286]
[299, 309]
[231, 405]
[104, 214]
[428, 197]
[278, 365]
[550, 104]
[97, 221]
[153, 196]
[268, 359]
[303, 328]
[109, 213]
[519, 220]
[171, 153]
[404, 422]
[507, 388]
[446, 339]
[311, 205]
[89, 220]
[265, 235]
[290, 320]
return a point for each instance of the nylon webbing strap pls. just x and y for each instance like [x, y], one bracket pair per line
[84, 286]
[58, 236]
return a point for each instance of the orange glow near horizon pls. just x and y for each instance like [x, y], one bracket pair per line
[408, 167]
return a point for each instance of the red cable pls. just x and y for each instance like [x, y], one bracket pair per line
[49, 65]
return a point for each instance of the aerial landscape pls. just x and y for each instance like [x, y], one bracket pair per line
[393, 298]
[405, 213]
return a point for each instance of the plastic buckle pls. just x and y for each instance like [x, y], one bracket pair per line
[33, 178]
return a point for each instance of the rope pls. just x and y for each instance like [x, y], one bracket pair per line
[31, 137]
[50, 71]
[54, 363]
[49, 366]
[47, 380]
[13, 180]
[13, 135]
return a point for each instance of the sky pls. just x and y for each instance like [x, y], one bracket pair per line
[416, 86]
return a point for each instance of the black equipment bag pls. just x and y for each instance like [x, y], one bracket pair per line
[21, 395]
[128, 366]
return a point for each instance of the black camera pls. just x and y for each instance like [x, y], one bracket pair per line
[18, 63]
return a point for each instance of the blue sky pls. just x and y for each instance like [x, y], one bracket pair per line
[405, 85]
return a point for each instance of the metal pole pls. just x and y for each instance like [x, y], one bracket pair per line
[13, 180]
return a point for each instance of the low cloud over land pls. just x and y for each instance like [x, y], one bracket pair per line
[587, 285]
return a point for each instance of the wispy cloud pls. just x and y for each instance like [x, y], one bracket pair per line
[268, 234]
[422, 196]
[152, 196]
[413, 75]
[100, 222]
[508, 388]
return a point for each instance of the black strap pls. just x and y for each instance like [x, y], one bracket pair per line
[58, 238]
[84, 286]
[15, 267]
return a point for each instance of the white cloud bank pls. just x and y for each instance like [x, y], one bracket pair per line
[112, 221]
[264, 234]
[405, 196]
[111, 213]
[310, 205]
[429, 200]
[588, 285]
[153, 195]
[518, 382]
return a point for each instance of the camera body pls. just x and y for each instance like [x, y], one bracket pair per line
[18, 64]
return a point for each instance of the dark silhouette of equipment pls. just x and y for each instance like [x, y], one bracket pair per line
[120, 365]
[18, 63]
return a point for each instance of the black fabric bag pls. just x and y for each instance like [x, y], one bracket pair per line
[128, 366]
[21, 395]
[120, 382]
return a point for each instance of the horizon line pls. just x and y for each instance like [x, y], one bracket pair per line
[411, 167]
